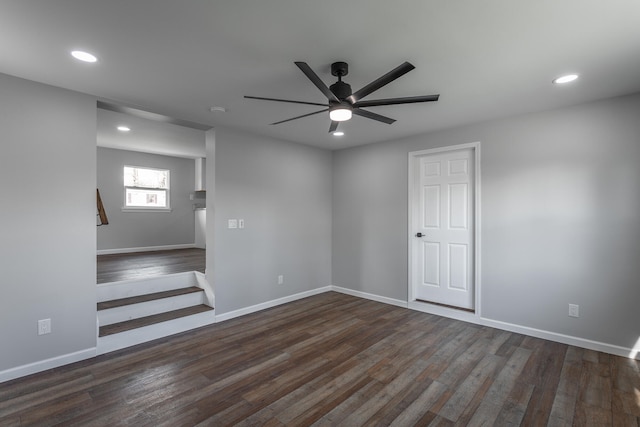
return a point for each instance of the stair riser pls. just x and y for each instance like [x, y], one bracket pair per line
[148, 308]
[152, 332]
[118, 290]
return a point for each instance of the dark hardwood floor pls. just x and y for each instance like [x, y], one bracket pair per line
[334, 360]
[131, 266]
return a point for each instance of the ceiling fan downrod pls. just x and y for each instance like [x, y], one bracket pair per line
[340, 89]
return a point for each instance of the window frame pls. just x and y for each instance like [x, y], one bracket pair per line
[166, 190]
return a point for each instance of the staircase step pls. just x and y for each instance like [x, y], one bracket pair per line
[147, 297]
[151, 320]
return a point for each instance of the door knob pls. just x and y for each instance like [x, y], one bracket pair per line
[419, 235]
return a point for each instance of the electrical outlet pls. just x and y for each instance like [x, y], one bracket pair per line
[280, 279]
[574, 310]
[44, 326]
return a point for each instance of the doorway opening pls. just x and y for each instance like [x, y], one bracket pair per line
[149, 238]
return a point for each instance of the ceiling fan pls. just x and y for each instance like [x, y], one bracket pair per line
[342, 103]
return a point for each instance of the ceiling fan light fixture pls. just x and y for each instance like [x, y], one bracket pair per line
[340, 114]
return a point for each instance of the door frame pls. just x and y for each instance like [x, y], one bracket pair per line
[433, 308]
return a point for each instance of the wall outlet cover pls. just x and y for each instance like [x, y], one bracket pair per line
[44, 326]
[574, 310]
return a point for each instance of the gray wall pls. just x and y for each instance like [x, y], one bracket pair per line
[560, 206]
[560, 203]
[283, 192]
[144, 229]
[47, 221]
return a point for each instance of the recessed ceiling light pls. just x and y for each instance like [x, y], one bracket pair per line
[338, 133]
[124, 128]
[565, 79]
[218, 110]
[84, 56]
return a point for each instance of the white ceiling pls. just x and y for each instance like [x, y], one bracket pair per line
[487, 59]
[148, 136]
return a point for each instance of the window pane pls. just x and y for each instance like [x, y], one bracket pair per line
[141, 177]
[146, 198]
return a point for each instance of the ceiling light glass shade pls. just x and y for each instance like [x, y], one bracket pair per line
[565, 79]
[83, 56]
[340, 114]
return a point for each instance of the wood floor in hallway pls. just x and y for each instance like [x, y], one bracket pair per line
[334, 360]
[138, 265]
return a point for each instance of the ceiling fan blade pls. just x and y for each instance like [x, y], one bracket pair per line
[285, 100]
[382, 81]
[373, 116]
[394, 101]
[311, 75]
[299, 117]
[334, 126]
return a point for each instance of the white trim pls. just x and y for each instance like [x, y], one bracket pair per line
[138, 209]
[564, 339]
[372, 297]
[32, 368]
[464, 316]
[145, 249]
[269, 304]
[43, 365]
[475, 146]
[525, 330]
[201, 280]
[153, 332]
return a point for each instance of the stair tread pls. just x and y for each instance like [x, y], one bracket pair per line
[147, 297]
[151, 320]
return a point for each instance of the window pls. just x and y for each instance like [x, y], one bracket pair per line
[146, 188]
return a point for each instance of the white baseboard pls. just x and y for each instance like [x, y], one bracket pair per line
[525, 330]
[564, 339]
[145, 249]
[634, 353]
[273, 303]
[373, 297]
[43, 365]
[445, 312]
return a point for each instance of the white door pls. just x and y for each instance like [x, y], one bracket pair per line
[442, 222]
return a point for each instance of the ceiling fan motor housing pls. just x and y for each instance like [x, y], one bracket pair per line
[341, 90]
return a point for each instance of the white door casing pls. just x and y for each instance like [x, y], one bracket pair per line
[442, 226]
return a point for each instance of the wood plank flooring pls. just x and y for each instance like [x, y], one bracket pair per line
[131, 266]
[105, 305]
[334, 360]
[141, 322]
